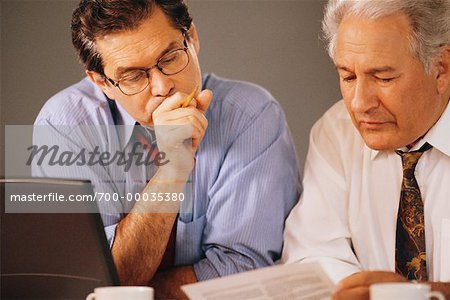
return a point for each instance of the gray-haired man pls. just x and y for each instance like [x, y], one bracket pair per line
[369, 202]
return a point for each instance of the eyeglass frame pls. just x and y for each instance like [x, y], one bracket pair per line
[147, 71]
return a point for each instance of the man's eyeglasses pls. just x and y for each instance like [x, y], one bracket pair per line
[134, 82]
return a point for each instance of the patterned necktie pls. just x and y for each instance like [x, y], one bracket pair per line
[410, 254]
[146, 139]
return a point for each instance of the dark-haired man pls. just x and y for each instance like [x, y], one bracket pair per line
[141, 61]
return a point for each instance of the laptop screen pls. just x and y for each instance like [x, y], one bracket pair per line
[52, 255]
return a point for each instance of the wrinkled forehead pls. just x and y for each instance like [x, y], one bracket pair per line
[386, 37]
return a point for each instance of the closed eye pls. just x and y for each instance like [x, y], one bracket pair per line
[133, 77]
[349, 78]
[385, 80]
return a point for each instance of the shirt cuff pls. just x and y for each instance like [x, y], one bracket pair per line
[219, 263]
[204, 270]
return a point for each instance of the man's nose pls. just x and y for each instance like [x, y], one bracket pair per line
[160, 84]
[364, 97]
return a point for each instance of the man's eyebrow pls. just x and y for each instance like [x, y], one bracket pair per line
[343, 68]
[382, 69]
[371, 71]
[122, 70]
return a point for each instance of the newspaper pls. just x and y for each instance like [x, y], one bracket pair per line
[294, 281]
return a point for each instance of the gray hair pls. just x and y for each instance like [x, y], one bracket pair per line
[429, 19]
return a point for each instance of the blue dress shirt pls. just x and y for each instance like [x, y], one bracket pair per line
[244, 183]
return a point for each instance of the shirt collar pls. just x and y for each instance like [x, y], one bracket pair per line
[438, 136]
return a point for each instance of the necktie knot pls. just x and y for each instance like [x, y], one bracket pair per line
[410, 159]
[144, 142]
[144, 136]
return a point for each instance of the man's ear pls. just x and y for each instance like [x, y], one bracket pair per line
[193, 37]
[443, 68]
[100, 81]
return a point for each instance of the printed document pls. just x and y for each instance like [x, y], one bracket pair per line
[306, 281]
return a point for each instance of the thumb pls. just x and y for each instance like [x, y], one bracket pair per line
[204, 99]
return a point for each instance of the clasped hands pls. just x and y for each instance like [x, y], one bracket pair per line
[179, 130]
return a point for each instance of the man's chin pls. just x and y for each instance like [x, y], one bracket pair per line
[378, 142]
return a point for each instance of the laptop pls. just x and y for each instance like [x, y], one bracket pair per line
[52, 255]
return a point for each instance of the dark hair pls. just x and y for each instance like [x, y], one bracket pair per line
[95, 18]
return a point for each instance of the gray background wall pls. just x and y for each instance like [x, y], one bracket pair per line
[271, 43]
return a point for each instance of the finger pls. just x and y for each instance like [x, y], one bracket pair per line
[189, 97]
[191, 113]
[354, 280]
[170, 103]
[359, 293]
[204, 100]
[193, 103]
[369, 277]
[201, 101]
[182, 129]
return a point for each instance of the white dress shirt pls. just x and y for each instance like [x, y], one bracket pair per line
[347, 215]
